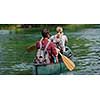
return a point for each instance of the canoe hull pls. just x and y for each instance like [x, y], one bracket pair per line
[49, 69]
[52, 68]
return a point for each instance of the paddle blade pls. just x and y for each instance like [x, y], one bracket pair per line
[30, 48]
[69, 64]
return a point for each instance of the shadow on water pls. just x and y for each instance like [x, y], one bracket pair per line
[85, 46]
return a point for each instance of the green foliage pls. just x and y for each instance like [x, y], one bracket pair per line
[77, 27]
[32, 28]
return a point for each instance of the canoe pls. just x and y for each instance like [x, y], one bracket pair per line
[49, 69]
[44, 69]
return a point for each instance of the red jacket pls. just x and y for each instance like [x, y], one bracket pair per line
[51, 48]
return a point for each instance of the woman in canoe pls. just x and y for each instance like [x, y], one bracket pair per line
[59, 39]
[46, 50]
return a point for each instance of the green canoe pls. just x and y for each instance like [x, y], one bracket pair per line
[49, 69]
[52, 68]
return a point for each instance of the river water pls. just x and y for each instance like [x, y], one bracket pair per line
[85, 45]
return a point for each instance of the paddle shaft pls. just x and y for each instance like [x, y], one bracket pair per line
[69, 64]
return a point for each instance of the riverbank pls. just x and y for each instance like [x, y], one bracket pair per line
[67, 28]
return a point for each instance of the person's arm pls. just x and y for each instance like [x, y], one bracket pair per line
[66, 39]
[54, 52]
[38, 45]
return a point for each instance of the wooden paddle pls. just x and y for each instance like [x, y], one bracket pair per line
[31, 48]
[69, 64]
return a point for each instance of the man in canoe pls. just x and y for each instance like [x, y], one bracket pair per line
[46, 50]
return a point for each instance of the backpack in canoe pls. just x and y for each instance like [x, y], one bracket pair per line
[42, 56]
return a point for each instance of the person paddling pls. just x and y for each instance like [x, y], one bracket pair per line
[59, 39]
[46, 50]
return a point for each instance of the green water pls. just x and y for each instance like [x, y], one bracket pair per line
[84, 44]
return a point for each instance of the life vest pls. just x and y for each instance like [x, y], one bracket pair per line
[42, 55]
